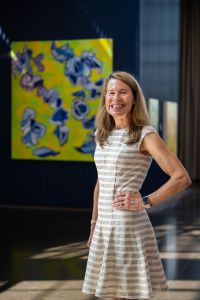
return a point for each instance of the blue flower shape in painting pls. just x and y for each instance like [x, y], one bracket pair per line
[80, 94]
[32, 130]
[93, 87]
[60, 116]
[62, 133]
[21, 61]
[44, 152]
[29, 81]
[52, 97]
[80, 109]
[61, 53]
[77, 68]
[90, 60]
[89, 123]
[87, 147]
[37, 62]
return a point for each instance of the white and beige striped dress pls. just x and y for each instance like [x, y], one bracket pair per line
[123, 260]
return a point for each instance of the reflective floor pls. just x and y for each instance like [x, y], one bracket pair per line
[43, 252]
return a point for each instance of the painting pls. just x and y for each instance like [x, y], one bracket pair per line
[154, 112]
[170, 125]
[56, 90]
[164, 117]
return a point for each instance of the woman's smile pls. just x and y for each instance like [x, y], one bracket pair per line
[117, 107]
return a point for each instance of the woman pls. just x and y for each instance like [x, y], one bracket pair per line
[123, 260]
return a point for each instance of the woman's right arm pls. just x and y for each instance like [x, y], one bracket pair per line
[94, 211]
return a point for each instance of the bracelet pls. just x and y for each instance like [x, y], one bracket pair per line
[93, 221]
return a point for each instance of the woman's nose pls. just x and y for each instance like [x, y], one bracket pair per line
[116, 95]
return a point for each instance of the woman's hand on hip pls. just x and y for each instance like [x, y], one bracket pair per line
[128, 201]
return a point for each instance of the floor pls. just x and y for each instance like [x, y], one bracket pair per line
[43, 251]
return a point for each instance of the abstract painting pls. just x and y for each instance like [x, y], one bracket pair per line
[56, 90]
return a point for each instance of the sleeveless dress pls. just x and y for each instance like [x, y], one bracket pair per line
[123, 259]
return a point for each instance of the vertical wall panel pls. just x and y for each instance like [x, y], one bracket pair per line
[160, 47]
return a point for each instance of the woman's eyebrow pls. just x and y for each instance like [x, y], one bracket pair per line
[123, 89]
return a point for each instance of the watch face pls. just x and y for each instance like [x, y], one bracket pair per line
[145, 200]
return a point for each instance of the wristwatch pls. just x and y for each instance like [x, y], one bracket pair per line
[147, 202]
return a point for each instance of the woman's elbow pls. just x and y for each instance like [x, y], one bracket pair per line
[188, 181]
[185, 180]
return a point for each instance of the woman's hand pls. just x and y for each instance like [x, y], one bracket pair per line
[128, 201]
[92, 227]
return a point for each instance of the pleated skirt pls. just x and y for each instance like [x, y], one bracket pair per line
[124, 260]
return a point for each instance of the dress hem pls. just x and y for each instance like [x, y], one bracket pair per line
[118, 296]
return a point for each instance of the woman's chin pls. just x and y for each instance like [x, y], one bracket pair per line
[116, 113]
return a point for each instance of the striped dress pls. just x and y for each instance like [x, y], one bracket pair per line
[123, 260]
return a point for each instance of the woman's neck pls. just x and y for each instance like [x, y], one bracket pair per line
[121, 123]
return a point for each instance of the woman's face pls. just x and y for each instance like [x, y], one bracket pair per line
[119, 99]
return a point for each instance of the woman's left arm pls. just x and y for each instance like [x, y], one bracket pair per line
[179, 179]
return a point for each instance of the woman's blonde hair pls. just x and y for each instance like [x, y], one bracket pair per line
[139, 116]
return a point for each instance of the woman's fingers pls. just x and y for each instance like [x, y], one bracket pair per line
[128, 201]
[89, 242]
[91, 235]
